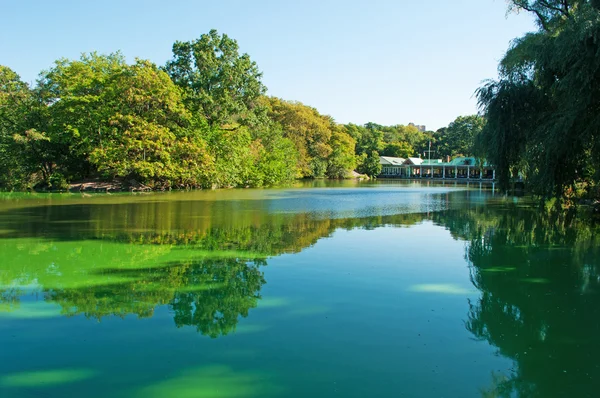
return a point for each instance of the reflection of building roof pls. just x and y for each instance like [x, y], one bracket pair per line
[388, 160]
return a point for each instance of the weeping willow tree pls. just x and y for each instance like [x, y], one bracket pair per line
[543, 113]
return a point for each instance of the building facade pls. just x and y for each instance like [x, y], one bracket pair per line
[421, 127]
[467, 168]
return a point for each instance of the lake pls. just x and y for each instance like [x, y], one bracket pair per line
[335, 289]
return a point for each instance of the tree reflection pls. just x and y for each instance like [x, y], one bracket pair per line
[9, 298]
[203, 262]
[233, 287]
[538, 274]
[209, 295]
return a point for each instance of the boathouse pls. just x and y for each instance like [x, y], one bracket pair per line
[457, 168]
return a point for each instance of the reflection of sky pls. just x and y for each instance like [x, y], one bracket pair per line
[394, 301]
[353, 203]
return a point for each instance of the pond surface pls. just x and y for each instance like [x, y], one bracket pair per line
[349, 290]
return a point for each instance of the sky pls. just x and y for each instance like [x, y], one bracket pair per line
[383, 61]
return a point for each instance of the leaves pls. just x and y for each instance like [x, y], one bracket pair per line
[542, 114]
[458, 139]
[221, 84]
[309, 131]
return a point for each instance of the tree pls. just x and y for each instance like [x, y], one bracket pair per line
[342, 159]
[80, 98]
[221, 84]
[400, 149]
[548, 13]
[120, 120]
[370, 164]
[25, 148]
[310, 132]
[14, 98]
[541, 113]
[370, 139]
[275, 158]
[418, 140]
[459, 137]
[101, 117]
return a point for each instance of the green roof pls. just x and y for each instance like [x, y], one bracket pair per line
[432, 161]
[463, 161]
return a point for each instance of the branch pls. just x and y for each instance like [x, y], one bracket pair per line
[565, 6]
[554, 8]
[541, 18]
[564, 9]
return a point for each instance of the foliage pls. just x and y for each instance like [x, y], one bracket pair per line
[21, 146]
[542, 112]
[368, 138]
[373, 140]
[101, 117]
[310, 132]
[548, 13]
[123, 121]
[202, 121]
[458, 139]
[399, 149]
[221, 84]
[369, 164]
[274, 158]
[342, 158]
[80, 98]
[409, 135]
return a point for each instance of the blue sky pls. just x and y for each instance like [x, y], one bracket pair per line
[385, 61]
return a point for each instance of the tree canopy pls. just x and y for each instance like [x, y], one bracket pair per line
[220, 83]
[201, 121]
[542, 113]
[100, 117]
[458, 139]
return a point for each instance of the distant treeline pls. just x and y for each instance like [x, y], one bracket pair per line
[200, 121]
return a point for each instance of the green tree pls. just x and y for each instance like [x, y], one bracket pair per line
[232, 153]
[342, 159]
[126, 121]
[399, 149]
[369, 164]
[370, 139]
[310, 132]
[275, 159]
[459, 137]
[418, 140]
[548, 13]
[80, 97]
[14, 99]
[541, 112]
[221, 84]
[26, 153]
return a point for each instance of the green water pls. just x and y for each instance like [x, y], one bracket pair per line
[349, 290]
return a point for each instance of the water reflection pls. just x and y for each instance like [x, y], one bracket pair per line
[539, 280]
[537, 274]
[203, 259]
